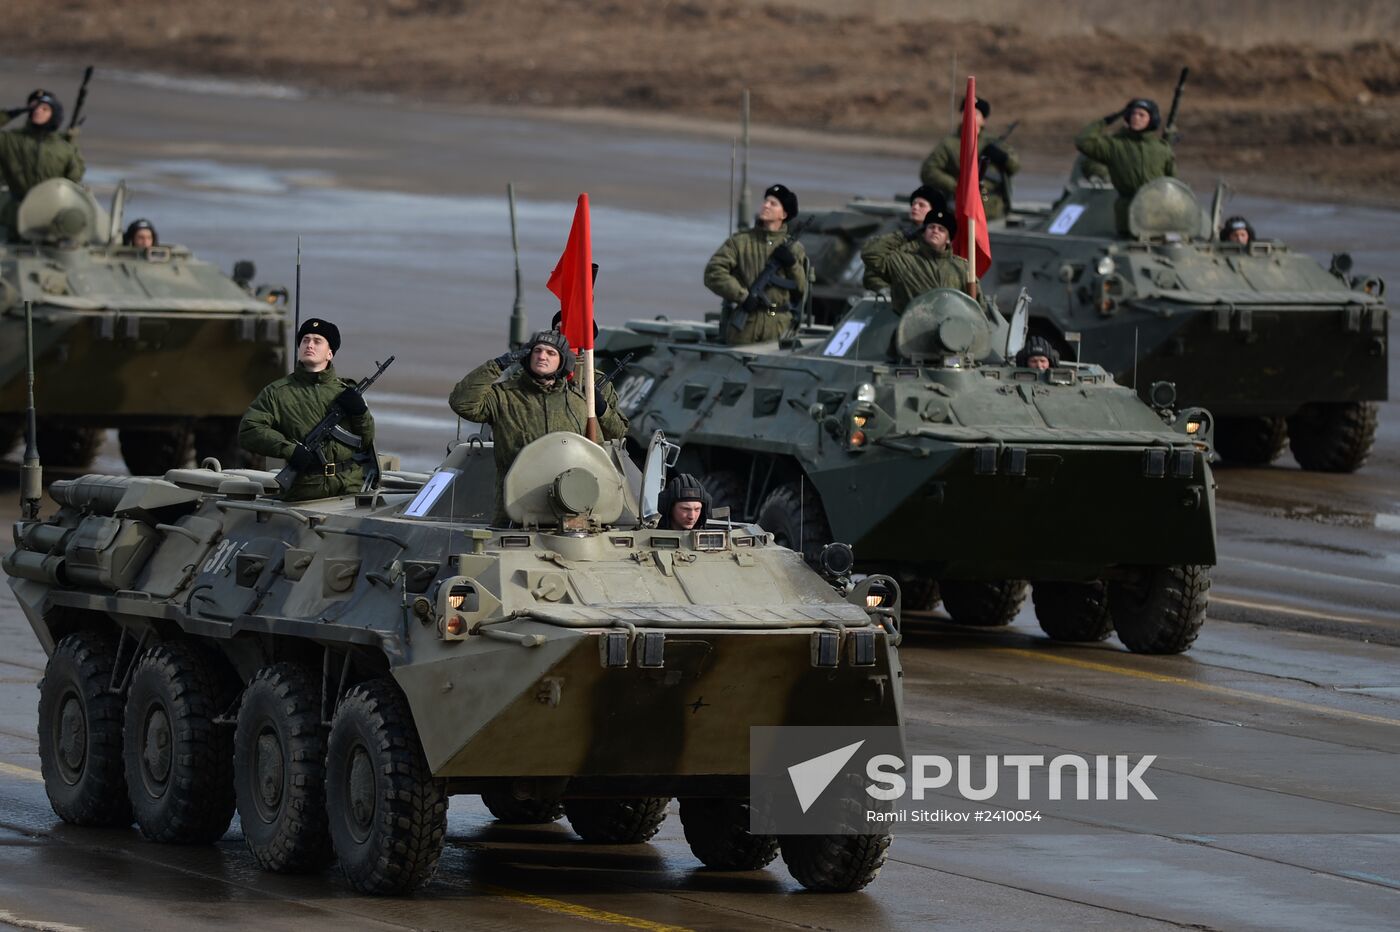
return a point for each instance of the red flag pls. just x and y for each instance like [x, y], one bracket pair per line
[969, 210]
[572, 281]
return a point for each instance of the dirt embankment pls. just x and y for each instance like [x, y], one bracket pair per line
[1318, 121]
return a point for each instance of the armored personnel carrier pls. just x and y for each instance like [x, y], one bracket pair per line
[1279, 348]
[334, 670]
[154, 342]
[919, 440]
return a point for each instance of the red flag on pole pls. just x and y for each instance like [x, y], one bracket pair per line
[971, 216]
[572, 283]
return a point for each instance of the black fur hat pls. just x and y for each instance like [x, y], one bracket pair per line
[981, 105]
[324, 327]
[786, 198]
[944, 217]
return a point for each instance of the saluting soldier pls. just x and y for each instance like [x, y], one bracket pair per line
[736, 266]
[940, 170]
[34, 153]
[1135, 155]
[285, 412]
[918, 261]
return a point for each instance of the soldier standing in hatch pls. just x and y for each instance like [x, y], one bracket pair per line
[34, 153]
[918, 261]
[736, 265]
[530, 401]
[1237, 230]
[924, 199]
[940, 169]
[684, 504]
[1135, 155]
[286, 411]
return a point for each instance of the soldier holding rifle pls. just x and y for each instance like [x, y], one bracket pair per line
[760, 272]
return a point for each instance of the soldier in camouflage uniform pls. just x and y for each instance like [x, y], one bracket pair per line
[526, 402]
[1134, 155]
[36, 152]
[735, 266]
[286, 411]
[916, 262]
[940, 170]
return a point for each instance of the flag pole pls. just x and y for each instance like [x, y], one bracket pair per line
[590, 395]
[972, 256]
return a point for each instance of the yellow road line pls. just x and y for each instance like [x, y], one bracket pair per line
[23, 772]
[1285, 610]
[1193, 684]
[580, 912]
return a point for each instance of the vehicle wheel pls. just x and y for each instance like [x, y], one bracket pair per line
[982, 604]
[279, 767]
[388, 815]
[834, 863]
[80, 732]
[1333, 437]
[1160, 609]
[218, 437]
[920, 593]
[506, 808]
[1250, 441]
[70, 447]
[1072, 611]
[717, 831]
[727, 488]
[179, 763]
[796, 520]
[616, 821]
[151, 451]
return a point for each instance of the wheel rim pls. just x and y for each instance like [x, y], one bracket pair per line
[156, 751]
[269, 774]
[359, 794]
[70, 738]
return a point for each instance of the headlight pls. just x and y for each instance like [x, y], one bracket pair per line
[858, 420]
[874, 599]
[865, 392]
[1193, 425]
[1106, 265]
[858, 438]
[457, 597]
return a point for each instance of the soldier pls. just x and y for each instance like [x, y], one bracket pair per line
[36, 152]
[528, 402]
[609, 390]
[1038, 353]
[940, 170]
[1134, 155]
[140, 234]
[924, 199]
[286, 411]
[1237, 230]
[684, 504]
[918, 261]
[737, 264]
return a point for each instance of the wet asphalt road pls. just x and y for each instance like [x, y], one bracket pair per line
[406, 245]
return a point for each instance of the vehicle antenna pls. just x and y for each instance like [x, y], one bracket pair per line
[298, 299]
[31, 486]
[733, 145]
[519, 326]
[1135, 352]
[745, 208]
[953, 95]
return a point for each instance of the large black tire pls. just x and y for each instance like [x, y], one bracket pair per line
[616, 821]
[983, 604]
[218, 437]
[69, 447]
[80, 732]
[1250, 441]
[179, 763]
[279, 768]
[1160, 609]
[151, 451]
[506, 808]
[795, 517]
[1333, 437]
[727, 487]
[717, 831]
[1073, 611]
[388, 815]
[834, 863]
[919, 593]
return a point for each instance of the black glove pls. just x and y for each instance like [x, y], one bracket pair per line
[752, 303]
[13, 112]
[351, 402]
[1115, 117]
[505, 360]
[916, 233]
[600, 404]
[784, 256]
[996, 155]
[303, 459]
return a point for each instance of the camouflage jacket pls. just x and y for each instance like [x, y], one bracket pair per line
[284, 413]
[520, 410]
[911, 267]
[940, 170]
[1133, 159]
[736, 264]
[27, 157]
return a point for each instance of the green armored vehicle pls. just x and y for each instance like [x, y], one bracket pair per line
[333, 671]
[917, 439]
[1279, 348]
[154, 342]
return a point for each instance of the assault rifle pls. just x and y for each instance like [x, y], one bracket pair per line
[1169, 128]
[329, 429]
[77, 119]
[768, 278]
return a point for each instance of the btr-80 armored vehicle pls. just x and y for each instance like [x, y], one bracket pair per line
[917, 439]
[153, 342]
[334, 670]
